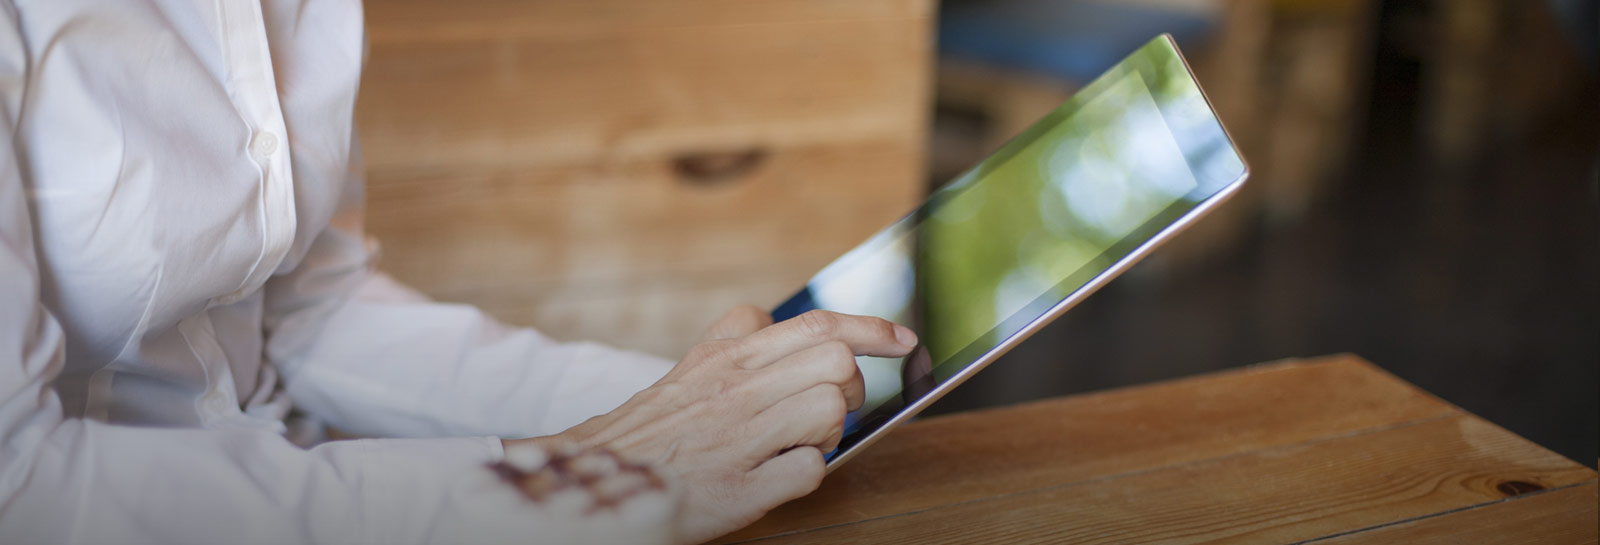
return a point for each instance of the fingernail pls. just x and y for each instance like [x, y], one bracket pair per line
[905, 336]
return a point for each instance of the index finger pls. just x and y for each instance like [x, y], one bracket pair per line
[865, 335]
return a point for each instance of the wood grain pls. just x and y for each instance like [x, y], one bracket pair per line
[1071, 439]
[482, 84]
[1275, 454]
[1276, 495]
[627, 254]
[1567, 516]
[413, 21]
[576, 226]
[529, 156]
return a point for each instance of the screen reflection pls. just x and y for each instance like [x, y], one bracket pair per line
[1005, 242]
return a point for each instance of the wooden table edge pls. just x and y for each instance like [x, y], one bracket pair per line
[1446, 410]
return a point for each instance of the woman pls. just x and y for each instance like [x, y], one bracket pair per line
[183, 265]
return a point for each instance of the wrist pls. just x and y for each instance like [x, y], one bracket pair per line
[569, 438]
[547, 443]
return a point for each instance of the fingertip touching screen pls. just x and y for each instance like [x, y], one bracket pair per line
[1004, 243]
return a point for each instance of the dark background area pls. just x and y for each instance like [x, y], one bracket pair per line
[1454, 241]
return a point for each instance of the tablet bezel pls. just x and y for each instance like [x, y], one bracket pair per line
[1200, 209]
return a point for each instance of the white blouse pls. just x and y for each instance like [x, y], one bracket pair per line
[182, 262]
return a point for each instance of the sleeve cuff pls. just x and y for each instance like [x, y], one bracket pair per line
[443, 491]
[596, 380]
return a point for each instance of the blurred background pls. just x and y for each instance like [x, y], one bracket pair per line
[1426, 187]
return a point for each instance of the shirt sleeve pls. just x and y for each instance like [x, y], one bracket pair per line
[370, 356]
[386, 361]
[69, 480]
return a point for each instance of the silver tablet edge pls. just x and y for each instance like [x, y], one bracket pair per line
[1072, 300]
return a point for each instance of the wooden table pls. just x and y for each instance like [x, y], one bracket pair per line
[1330, 451]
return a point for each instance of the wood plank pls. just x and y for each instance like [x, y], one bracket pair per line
[632, 255]
[431, 21]
[563, 228]
[530, 84]
[1051, 443]
[1569, 516]
[662, 315]
[1271, 495]
[526, 155]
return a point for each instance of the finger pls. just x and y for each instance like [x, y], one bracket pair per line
[827, 363]
[814, 417]
[865, 335]
[785, 477]
[738, 322]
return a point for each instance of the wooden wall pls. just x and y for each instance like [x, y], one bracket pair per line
[625, 170]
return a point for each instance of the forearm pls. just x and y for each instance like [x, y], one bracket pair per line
[88, 482]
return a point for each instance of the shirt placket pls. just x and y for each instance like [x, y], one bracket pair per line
[253, 88]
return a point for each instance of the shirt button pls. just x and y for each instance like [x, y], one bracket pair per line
[215, 403]
[264, 144]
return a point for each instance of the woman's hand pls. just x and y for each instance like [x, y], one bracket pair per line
[742, 421]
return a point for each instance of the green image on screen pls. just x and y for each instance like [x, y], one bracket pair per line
[1002, 244]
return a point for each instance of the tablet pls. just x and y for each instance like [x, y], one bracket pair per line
[1133, 158]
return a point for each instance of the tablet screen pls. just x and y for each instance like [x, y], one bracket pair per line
[1005, 242]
